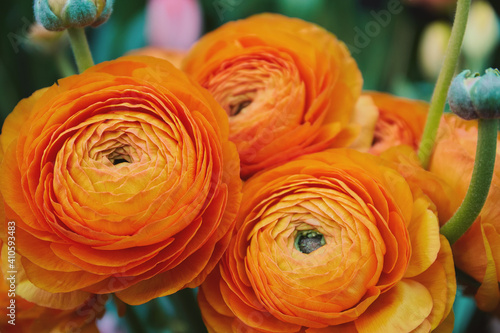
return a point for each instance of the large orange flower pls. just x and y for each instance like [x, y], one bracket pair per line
[477, 252]
[121, 179]
[287, 85]
[332, 242]
[393, 120]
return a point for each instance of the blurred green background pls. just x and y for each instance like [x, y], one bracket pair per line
[387, 48]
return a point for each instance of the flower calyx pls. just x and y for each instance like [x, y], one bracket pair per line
[472, 96]
[56, 15]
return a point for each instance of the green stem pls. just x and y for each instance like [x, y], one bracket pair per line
[443, 83]
[80, 48]
[479, 183]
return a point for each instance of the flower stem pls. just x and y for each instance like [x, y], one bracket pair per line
[443, 83]
[80, 48]
[479, 184]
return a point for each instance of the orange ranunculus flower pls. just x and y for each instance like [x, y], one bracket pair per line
[400, 121]
[477, 252]
[336, 241]
[288, 86]
[120, 179]
[174, 56]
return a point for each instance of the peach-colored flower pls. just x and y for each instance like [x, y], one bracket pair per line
[336, 241]
[119, 180]
[477, 252]
[400, 121]
[288, 86]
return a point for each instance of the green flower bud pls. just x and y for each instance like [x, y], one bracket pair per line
[485, 95]
[56, 15]
[472, 96]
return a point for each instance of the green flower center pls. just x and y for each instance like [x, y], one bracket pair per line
[307, 241]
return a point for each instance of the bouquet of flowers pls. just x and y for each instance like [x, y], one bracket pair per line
[249, 184]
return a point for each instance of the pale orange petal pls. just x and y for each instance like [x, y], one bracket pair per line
[447, 325]
[440, 281]
[424, 235]
[401, 309]
[488, 295]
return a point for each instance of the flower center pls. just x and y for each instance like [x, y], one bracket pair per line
[120, 155]
[235, 109]
[307, 241]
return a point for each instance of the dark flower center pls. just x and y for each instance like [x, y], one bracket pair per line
[120, 155]
[307, 241]
[236, 109]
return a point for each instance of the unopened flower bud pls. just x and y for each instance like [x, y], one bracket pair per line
[474, 96]
[62, 14]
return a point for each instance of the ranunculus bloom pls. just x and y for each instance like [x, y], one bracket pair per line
[120, 179]
[477, 252]
[400, 121]
[288, 86]
[332, 242]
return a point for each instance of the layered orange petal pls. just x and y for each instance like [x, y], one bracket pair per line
[119, 175]
[476, 252]
[396, 121]
[331, 241]
[393, 313]
[287, 93]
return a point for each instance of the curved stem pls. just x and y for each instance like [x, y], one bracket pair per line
[443, 83]
[479, 184]
[80, 48]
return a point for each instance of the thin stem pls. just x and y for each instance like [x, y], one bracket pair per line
[443, 83]
[80, 48]
[479, 183]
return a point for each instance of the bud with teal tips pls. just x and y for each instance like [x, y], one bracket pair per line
[472, 96]
[59, 15]
[476, 97]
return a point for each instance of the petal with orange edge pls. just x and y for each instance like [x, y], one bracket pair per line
[424, 235]
[401, 309]
[488, 295]
[63, 301]
[433, 279]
